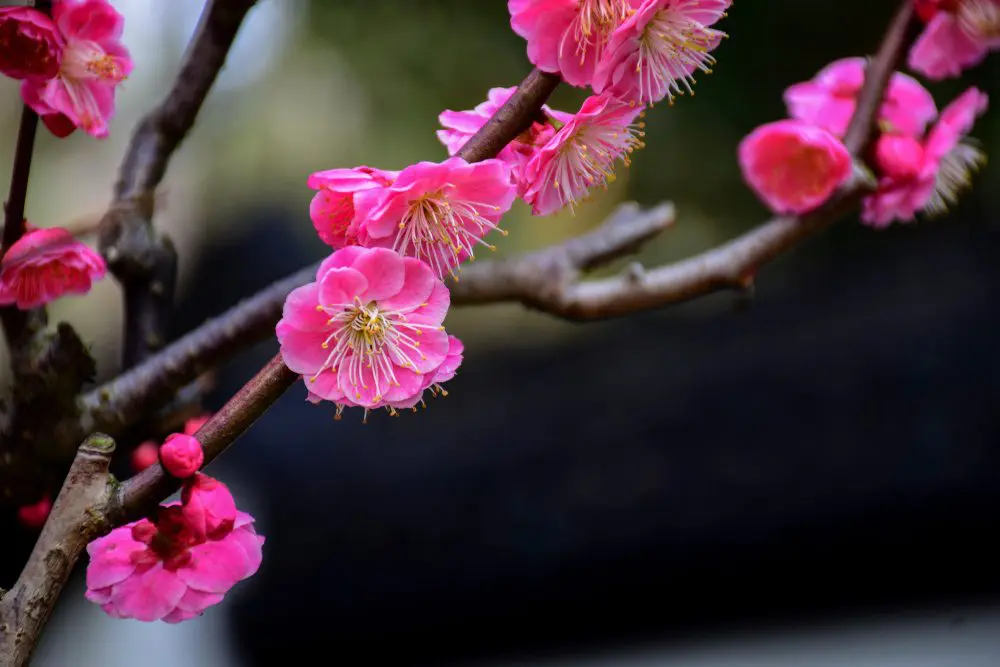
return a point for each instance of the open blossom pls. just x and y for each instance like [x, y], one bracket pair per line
[582, 154]
[568, 36]
[929, 174]
[958, 35]
[94, 62]
[437, 212]
[460, 126]
[368, 332]
[830, 98]
[46, 264]
[332, 209]
[655, 53]
[30, 44]
[152, 572]
[793, 166]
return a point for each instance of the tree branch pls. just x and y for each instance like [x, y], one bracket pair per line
[143, 261]
[77, 517]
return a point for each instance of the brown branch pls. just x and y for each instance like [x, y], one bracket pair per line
[143, 261]
[77, 517]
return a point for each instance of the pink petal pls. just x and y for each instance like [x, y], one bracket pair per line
[339, 286]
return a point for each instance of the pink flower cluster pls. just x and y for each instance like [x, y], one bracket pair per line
[46, 264]
[175, 567]
[69, 64]
[921, 165]
[958, 34]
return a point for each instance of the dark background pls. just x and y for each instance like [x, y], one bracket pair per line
[824, 450]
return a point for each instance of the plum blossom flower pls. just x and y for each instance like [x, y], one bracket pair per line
[581, 155]
[332, 209]
[656, 51]
[208, 506]
[368, 332]
[830, 98]
[46, 264]
[153, 572]
[181, 455]
[958, 35]
[568, 36]
[460, 126]
[793, 166]
[929, 174]
[94, 63]
[30, 44]
[437, 212]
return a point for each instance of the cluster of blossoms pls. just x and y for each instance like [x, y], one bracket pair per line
[368, 332]
[922, 160]
[69, 64]
[184, 561]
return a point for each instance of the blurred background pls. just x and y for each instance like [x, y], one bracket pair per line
[807, 477]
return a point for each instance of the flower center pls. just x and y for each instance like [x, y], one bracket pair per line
[671, 49]
[443, 231]
[980, 17]
[87, 60]
[954, 176]
[587, 158]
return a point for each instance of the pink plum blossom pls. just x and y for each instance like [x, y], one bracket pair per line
[181, 455]
[793, 166]
[46, 264]
[30, 44]
[460, 126]
[656, 51]
[368, 332]
[958, 35]
[568, 36]
[437, 212]
[94, 63]
[332, 208]
[153, 572]
[830, 98]
[145, 455]
[929, 174]
[581, 155]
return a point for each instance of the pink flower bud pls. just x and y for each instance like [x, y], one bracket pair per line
[34, 516]
[194, 424]
[145, 455]
[793, 166]
[181, 455]
[208, 506]
[30, 44]
[899, 157]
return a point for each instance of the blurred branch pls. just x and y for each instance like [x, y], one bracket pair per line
[75, 520]
[143, 261]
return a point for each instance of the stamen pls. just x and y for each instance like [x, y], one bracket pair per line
[954, 176]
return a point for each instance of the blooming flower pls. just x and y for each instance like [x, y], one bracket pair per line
[94, 62]
[368, 332]
[930, 174]
[460, 126]
[568, 36]
[332, 208]
[46, 264]
[581, 155]
[30, 44]
[181, 455]
[793, 166]
[830, 98]
[437, 212]
[656, 51]
[152, 572]
[958, 35]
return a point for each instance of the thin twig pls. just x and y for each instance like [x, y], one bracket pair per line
[143, 261]
[78, 516]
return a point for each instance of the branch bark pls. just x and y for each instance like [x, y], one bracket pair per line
[143, 261]
[77, 517]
